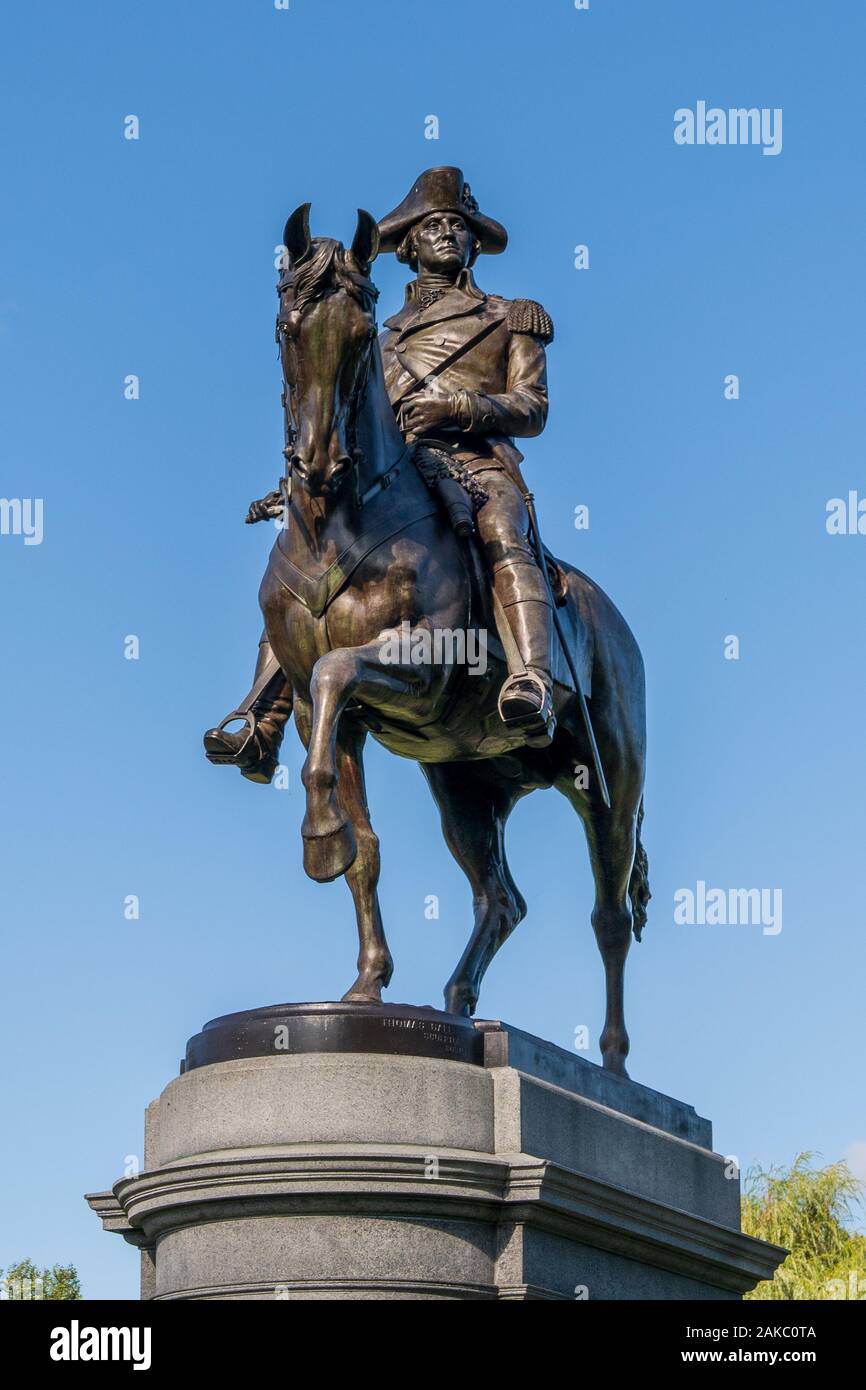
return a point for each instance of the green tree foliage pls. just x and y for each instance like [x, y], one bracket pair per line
[809, 1210]
[25, 1281]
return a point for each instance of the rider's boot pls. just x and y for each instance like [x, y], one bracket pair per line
[254, 750]
[525, 700]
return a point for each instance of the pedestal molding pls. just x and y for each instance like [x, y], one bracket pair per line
[328, 1181]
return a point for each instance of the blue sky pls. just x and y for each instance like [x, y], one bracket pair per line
[707, 518]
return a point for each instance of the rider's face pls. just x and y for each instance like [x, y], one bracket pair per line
[443, 243]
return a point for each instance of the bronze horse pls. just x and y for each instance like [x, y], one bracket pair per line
[365, 550]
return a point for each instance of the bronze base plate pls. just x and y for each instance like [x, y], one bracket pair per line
[400, 1029]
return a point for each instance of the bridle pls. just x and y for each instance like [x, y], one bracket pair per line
[363, 289]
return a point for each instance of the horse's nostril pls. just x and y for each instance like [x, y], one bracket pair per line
[340, 468]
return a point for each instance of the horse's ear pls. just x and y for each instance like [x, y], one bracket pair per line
[296, 236]
[365, 244]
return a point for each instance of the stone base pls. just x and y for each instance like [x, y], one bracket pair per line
[519, 1172]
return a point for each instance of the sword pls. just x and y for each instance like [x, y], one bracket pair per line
[529, 499]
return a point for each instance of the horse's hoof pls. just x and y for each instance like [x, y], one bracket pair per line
[326, 857]
[460, 1001]
[372, 979]
[614, 1062]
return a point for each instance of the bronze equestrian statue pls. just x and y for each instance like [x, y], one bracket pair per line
[398, 449]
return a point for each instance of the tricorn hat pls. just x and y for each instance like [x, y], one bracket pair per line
[441, 190]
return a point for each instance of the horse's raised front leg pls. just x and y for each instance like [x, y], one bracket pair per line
[374, 959]
[338, 676]
[475, 803]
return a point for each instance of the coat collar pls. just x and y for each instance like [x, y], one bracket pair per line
[464, 297]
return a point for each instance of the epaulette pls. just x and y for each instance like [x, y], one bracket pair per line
[526, 316]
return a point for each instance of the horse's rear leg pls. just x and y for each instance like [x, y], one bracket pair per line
[611, 836]
[475, 804]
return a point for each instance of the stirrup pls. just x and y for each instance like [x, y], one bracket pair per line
[221, 758]
[262, 761]
[537, 724]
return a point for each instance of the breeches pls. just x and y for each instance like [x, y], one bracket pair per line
[503, 528]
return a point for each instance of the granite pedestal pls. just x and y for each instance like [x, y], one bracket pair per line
[348, 1152]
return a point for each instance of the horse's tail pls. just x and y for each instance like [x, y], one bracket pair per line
[638, 884]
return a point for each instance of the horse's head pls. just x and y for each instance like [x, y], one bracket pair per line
[327, 336]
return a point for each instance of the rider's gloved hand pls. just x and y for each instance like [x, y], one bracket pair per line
[266, 508]
[426, 413]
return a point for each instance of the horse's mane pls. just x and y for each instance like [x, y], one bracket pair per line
[326, 270]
